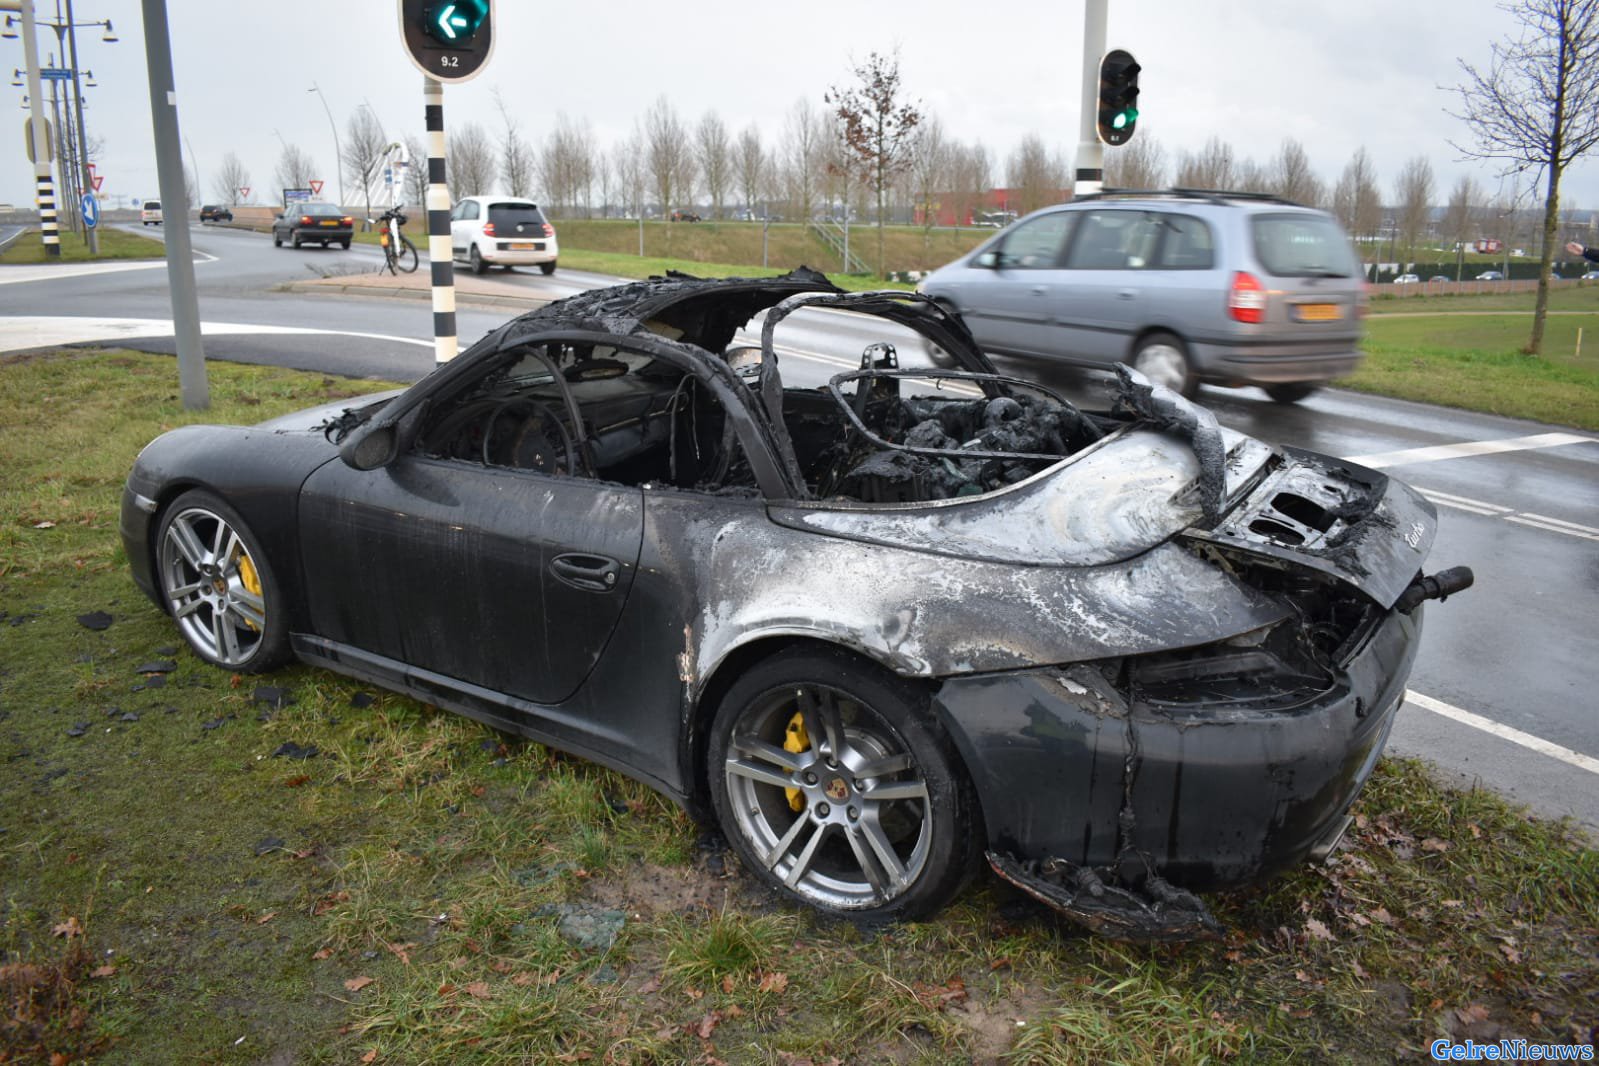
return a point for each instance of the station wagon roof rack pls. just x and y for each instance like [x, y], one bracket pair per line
[1215, 196]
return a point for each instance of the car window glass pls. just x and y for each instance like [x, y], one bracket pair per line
[514, 218]
[1186, 244]
[1114, 240]
[1302, 245]
[1036, 244]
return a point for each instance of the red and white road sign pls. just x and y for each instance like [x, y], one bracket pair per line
[316, 187]
[99, 180]
[244, 192]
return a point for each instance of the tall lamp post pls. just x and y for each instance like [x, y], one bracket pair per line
[338, 153]
[67, 45]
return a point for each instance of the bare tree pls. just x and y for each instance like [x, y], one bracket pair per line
[295, 168]
[801, 154]
[1536, 109]
[1250, 176]
[469, 161]
[751, 165]
[362, 152]
[605, 175]
[971, 177]
[416, 173]
[231, 179]
[668, 156]
[1038, 177]
[714, 153]
[629, 161]
[1356, 201]
[1138, 164]
[879, 128]
[929, 172]
[1292, 177]
[1212, 167]
[516, 155]
[1460, 218]
[1414, 198]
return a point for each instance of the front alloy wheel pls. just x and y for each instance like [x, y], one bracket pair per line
[842, 792]
[218, 586]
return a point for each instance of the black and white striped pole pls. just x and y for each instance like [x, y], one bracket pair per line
[39, 144]
[440, 255]
[448, 41]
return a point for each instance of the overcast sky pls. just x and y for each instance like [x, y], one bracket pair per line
[1334, 75]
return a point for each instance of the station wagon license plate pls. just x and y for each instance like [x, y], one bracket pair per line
[1318, 312]
[329, 222]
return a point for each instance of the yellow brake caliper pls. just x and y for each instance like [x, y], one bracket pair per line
[796, 740]
[250, 580]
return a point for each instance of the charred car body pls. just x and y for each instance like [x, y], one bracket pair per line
[875, 632]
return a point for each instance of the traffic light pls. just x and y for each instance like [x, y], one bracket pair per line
[1118, 96]
[448, 40]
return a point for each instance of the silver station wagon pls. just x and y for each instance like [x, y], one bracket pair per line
[1187, 286]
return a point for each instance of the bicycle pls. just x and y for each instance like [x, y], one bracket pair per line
[399, 254]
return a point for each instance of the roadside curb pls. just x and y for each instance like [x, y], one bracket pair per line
[388, 292]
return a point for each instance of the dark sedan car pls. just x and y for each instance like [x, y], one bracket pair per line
[215, 213]
[313, 223]
[876, 629]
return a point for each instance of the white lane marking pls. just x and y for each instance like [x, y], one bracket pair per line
[1524, 521]
[16, 275]
[1504, 732]
[1525, 518]
[19, 333]
[1459, 504]
[1379, 460]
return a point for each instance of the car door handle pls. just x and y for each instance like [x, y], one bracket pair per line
[1127, 294]
[591, 573]
[1039, 290]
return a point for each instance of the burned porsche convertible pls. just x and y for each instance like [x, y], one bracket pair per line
[877, 630]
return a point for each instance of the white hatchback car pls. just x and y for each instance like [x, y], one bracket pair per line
[504, 231]
[150, 213]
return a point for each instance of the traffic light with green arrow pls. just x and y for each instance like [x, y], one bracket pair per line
[448, 40]
[1118, 97]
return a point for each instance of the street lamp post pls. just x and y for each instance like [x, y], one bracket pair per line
[67, 46]
[338, 153]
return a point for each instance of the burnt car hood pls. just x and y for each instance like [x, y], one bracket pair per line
[1138, 489]
[316, 417]
[1128, 493]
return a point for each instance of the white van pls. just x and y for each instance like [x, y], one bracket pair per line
[150, 213]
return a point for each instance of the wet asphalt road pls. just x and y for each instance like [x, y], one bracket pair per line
[1520, 650]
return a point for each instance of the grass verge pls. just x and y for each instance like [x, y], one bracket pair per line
[114, 244]
[1475, 362]
[295, 868]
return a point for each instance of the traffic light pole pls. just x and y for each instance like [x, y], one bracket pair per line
[1090, 152]
[440, 254]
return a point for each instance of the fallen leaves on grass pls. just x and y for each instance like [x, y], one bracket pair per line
[355, 984]
[69, 928]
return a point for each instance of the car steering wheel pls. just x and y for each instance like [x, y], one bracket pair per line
[540, 443]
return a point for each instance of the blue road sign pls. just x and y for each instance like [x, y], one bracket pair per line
[90, 207]
[55, 74]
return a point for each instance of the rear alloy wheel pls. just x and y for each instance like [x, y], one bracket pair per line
[218, 585]
[936, 354]
[476, 259]
[547, 268]
[1291, 392]
[294, 238]
[838, 787]
[277, 241]
[1162, 359]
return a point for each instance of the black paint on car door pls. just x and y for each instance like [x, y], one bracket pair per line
[508, 579]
